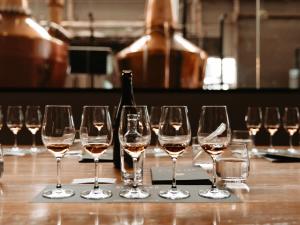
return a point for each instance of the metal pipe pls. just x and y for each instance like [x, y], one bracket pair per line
[257, 41]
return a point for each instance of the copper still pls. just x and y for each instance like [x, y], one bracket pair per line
[29, 55]
[162, 58]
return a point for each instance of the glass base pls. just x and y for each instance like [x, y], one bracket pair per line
[16, 150]
[58, 193]
[214, 193]
[34, 150]
[293, 151]
[174, 194]
[134, 193]
[272, 150]
[96, 194]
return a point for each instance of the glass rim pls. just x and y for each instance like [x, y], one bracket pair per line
[214, 106]
[134, 106]
[174, 106]
[35, 106]
[58, 106]
[272, 107]
[236, 143]
[291, 107]
[95, 106]
[14, 106]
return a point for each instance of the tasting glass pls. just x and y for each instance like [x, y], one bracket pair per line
[58, 134]
[233, 165]
[15, 120]
[134, 136]
[96, 136]
[214, 135]
[154, 121]
[272, 123]
[174, 136]
[33, 122]
[291, 124]
[253, 120]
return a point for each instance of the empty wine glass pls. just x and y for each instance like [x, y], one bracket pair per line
[253, 120]
[135, 136]
[33, 121]
[96, 136]
[58, 134]
[272, 123]
[174, 136]
[15, 120]
[214, 135]
[291, 124]
[154, 121]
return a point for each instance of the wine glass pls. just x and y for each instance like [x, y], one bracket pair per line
[272, 123]
[174, 136]
[253, 120]
[33, 121]
[96, 136]
[135, 136]
[214, 135]
[15, 120]
[58, 134]
[291, 124]
[154, 121]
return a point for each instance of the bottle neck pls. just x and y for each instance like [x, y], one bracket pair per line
[127, 90]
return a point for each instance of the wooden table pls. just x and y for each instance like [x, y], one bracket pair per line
[274, 197]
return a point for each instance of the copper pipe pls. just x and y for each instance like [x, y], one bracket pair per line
[56, 10]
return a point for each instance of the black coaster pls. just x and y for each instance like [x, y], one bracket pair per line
[154, 198]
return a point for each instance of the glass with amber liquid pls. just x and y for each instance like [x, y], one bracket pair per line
[58, 134]
[96, 136]
[272, 123]
[15, 121]
[135, 136]
[214, 135]
[33, 122]
[174, 136]
[253, 121]
[291, 124]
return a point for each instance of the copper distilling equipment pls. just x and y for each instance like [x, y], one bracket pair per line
[162, 58]
[29, 55]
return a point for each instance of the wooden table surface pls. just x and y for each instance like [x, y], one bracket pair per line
[274, 196]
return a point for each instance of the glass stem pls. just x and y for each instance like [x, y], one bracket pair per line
[291, 141]
[253, 140]
[96, 185]
[33, 141]
[58, 163]
[174, 174]
[16, 141]
[214, 175]
[134, 173]
[271, 141]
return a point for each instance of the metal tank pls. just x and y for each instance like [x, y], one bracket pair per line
[29, 55]
[162, 58]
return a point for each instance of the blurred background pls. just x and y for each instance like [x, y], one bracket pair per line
[237, 43]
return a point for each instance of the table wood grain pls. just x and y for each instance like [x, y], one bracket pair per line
[274, 196]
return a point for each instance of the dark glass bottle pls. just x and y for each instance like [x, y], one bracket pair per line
[127, 98]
